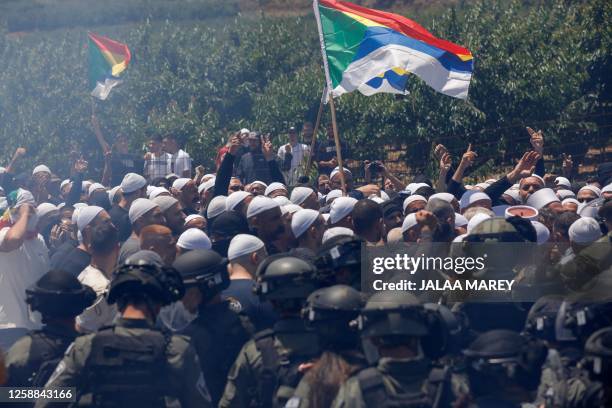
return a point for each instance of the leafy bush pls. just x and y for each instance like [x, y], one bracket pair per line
[546, 66]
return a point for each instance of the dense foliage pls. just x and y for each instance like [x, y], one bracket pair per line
[544, 65]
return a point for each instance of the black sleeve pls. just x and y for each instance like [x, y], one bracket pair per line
[450, 173]
[75, 192]
[224, 175]
[455, 188]
[539, 167]
[275, 173]
[7, 181]
[495, 190]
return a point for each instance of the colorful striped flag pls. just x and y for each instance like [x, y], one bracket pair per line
[108, 60]
[374, 51]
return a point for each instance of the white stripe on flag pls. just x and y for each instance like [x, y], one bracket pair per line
[102, 90]
[426, 67]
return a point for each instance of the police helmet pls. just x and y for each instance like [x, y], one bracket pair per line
[144, 273]
[393, 313]
[499, 229]
[447, 331]
[59, 294]
[338, 252]
[540, 322]
[576, 321]
[205, 269]
[285, 277]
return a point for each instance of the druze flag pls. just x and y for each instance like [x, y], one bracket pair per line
[374, 51]
[108, 60]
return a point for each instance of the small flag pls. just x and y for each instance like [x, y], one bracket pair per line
[108, 59]
[374, 51]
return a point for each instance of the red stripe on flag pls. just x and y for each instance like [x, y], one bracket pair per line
[398, 23]
[112, 46]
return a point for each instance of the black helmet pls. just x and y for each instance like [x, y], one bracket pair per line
[598, 349]
[447, 331]
[285, 277]
[540, 322]
[576, 321]
[337, 253]
[498, 356]
[144, 273]
[59, 294]
[393, 313]
[205, 269]
[331, 310]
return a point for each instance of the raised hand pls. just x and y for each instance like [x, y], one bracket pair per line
[80, 166]
[266, 148]
[525, 166]
[536, 140]
[235, 144]
[20, 152]
[439, 151]
[468, 157]
[445, 162]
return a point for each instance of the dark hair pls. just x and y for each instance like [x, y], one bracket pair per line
[365, 215]
[563, 222]
[104, 238]
[325, 378]
[155, 137]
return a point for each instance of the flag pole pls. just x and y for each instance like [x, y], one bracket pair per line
[329, 94]
[313, 142]
[338, 146]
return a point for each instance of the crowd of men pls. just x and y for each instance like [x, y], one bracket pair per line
[161, 285]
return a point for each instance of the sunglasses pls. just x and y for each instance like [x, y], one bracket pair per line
[236, 188]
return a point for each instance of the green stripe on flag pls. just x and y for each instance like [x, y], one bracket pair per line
[343, 35]
[99, 68]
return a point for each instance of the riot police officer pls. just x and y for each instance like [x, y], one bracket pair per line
[219, 331]
[59, 297]
[395, 324]
[338, 261]
[266, 370]
[503, 369]
[131, 363]
[331, 312]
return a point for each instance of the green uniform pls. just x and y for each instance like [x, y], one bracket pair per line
[245, 382]
[588, 264]
[29, 359]
[399, 377]
[182, 379]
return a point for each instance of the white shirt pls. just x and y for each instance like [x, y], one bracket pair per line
[100, 313]
[180, 162]
[20, 269]
[298, 152]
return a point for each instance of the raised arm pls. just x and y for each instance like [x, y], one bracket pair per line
[445, 165]
[16, 234]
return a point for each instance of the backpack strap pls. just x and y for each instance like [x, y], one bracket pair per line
[372, 387]
[264, 341]
[437, 383]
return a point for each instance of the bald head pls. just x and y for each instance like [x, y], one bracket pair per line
[159, 239]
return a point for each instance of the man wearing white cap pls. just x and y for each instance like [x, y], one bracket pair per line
[414, 203]
[588, 193]
[335, 232]
[265, 219]
[238, 201]
[562, 183]
[215, 208]
[134, 187]
[449, 198]
[143, 212]
[545, 198]
[173, 213]
[340, 212]
[23, 260]
[184, 190]
[246, 252]
[256, 188]
[305, 197]
[206, 192]
[192, 238]
[101, 240]
[606, 192]
[276, 189]
[308, 227]
[474, 198]
[195, 221]
[592, 252]
[419, 226]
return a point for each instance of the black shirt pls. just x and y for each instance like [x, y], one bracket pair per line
[122, 163]
[70, 259]
[121, 220]
[327, 151]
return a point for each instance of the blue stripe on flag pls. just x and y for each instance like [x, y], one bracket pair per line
[377, 37]
[394, 79]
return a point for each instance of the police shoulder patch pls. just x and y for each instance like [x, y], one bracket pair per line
[234, 304]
